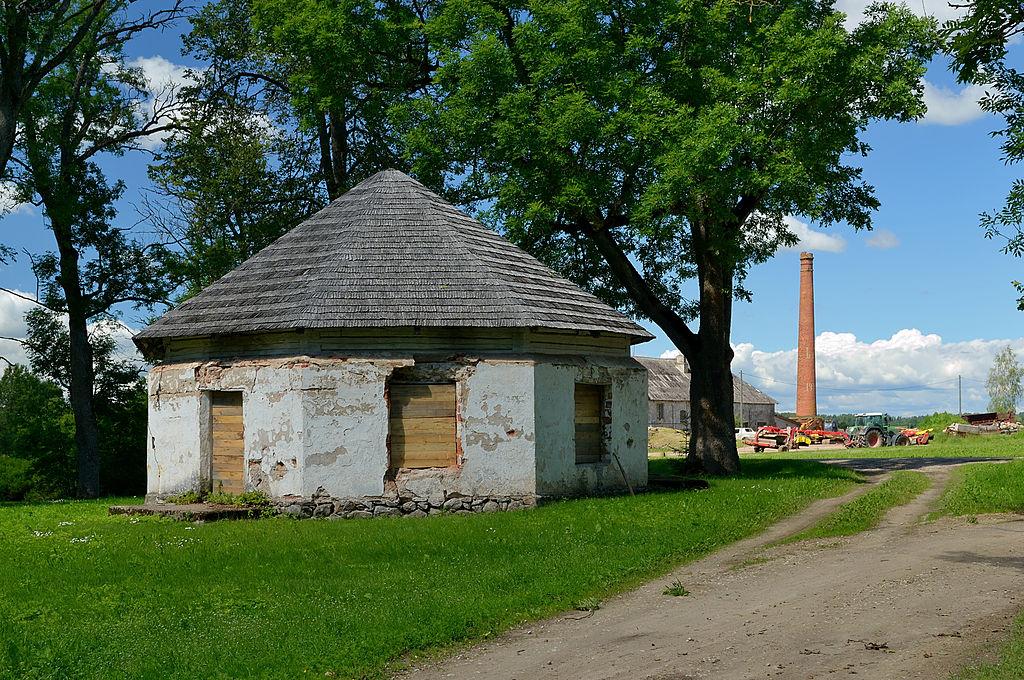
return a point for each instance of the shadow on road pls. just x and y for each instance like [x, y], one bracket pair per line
[869, 466]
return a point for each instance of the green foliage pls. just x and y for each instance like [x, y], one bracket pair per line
[676, 589]
[185, 498]
[36, 427]
[937, 421]
[674, 127]
[15, 478]
[985, 488]
[868, 509]
[386, 583]
[225, 187]
[1004, 384]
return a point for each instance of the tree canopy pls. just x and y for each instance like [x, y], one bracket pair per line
[634, 147]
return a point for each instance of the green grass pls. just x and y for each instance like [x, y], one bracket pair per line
[868, 509]
[984, 488]
[943, 446]
[1010, 664]
[87, 595]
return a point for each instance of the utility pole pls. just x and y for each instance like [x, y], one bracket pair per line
[959, 395]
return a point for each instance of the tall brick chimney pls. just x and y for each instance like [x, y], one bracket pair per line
[806, 381]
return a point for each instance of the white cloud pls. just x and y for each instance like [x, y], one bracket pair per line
[952, 107]
[908, 373]
[883, 239]
[814, 240]
[939, 9]
[12, 325]
[163, 80]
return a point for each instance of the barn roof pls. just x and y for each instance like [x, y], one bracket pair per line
[389, 253]
[667, 381]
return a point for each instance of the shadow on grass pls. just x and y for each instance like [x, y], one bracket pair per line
[760, 469]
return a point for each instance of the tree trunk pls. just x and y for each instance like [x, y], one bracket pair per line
[81, 394]
[8, 124]
[712, 437]
[82, 376]
[712, 434]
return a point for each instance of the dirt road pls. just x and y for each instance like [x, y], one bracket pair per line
[906, 600]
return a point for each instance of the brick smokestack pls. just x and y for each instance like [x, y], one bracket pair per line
[806, 381]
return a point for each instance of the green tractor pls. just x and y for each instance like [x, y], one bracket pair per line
[872, 430]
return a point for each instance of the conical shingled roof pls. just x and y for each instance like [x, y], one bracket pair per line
[389, 253]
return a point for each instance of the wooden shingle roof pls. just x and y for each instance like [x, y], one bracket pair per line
[667, 381]
[389, 253]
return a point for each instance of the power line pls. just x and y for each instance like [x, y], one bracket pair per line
[901, 388]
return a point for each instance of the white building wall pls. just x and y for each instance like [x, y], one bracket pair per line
[319, 427]
[625, 433]
[496, 432]
[174, 444]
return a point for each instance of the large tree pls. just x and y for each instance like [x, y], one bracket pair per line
[333, 71]
[979, 43]
[93, 104]
[38, 37]
[635, 146]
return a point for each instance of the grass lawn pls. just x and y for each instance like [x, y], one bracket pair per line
[984, 488]
[86, 595]
[868, 509]
[1010, 664]
[943, 446]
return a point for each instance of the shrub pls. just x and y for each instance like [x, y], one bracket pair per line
[15, 478]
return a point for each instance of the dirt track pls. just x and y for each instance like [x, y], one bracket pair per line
[906, 600]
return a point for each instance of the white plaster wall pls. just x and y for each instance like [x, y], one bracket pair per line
[319, 426]
[174, 448]
[625, 435]
[345, 428]
[496, 433]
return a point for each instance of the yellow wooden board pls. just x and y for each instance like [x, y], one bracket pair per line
[228, 435]
[422, 425]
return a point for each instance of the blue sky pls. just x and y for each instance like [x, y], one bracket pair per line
[901, 311]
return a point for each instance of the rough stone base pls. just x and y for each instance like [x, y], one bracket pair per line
[392, 506]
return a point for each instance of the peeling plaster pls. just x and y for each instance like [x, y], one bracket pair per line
[319, 426]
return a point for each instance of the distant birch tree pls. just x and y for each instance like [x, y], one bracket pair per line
[1005, 388]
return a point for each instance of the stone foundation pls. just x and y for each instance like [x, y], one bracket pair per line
[393, 506]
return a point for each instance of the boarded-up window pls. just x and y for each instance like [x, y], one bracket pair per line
[227, 433]
[589, 428]
[422, 425]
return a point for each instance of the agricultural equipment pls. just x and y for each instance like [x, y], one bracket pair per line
[873, 430]
[768, 437]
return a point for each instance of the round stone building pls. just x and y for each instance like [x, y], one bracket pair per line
[392, 355]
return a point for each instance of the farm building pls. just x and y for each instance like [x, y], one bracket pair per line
[669, 396]
[391, 355]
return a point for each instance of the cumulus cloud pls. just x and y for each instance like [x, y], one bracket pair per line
[813, 240]
[883, 239]
[909, 373]
[940, 9]
[163, 80]
[947, 106]
[12, 325]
